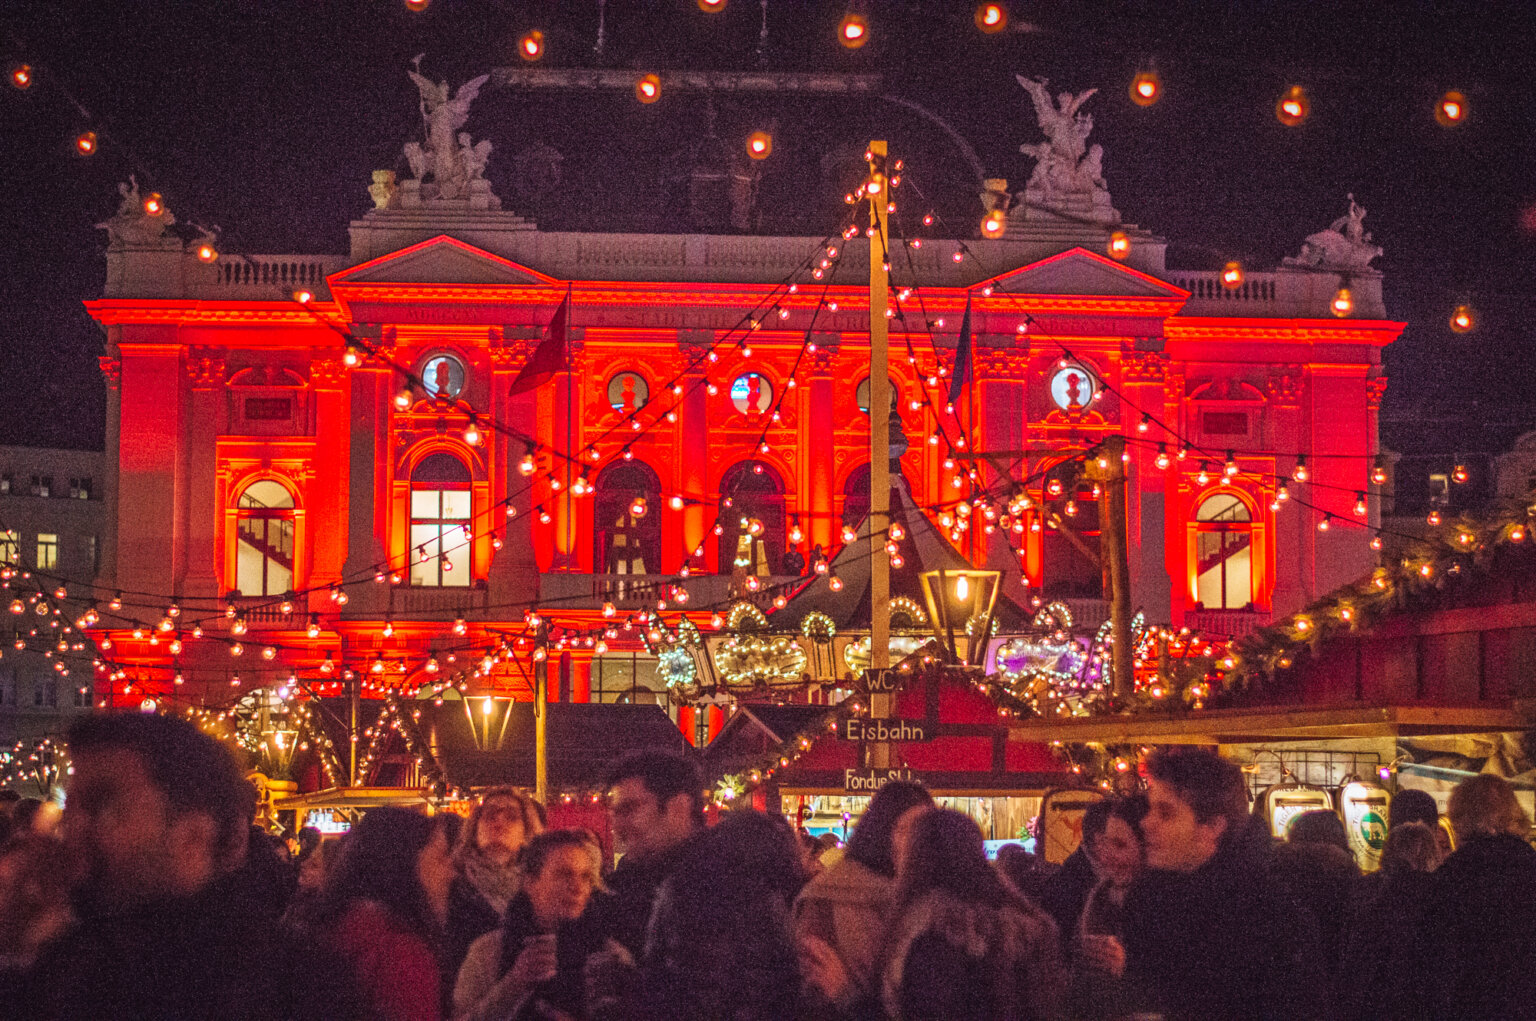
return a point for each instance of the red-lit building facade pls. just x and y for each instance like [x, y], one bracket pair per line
[267, 463]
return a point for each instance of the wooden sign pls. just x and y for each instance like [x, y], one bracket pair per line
[868, 781]
[861, 728]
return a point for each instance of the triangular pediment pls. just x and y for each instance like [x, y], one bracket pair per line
[442, 261]
[1079, 272]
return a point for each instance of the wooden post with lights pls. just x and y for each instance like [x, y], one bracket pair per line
[1109, 472]
[541, 721]
[880, 704]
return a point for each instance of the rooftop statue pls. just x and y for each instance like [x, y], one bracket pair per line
[1069, 173]
[446, 166]
[132, 226]
[1346, 244]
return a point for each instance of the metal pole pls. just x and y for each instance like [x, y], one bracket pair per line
[881, 703]
[356, 693]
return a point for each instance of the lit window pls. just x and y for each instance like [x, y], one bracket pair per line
[628, 543]
[264, 552]
[1073, 388]
[757, 498]
[628, 392]
[440, 514]
[752, 394]
[5, 483]
[443, 376]
[1224, 553]
[861, 395]
[10, 546]
[47, 551]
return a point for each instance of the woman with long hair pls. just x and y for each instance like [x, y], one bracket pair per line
[383, 907]
[841, 914]
[963, 943]
[531, 965]
[496, 832]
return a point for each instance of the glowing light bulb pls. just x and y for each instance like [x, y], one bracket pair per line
[471, 434]
[526, 465]
[853, 30]
[417, 5]
[531, 46]
[994, 224]
[962, 588]
[759, 145]
[207, 253]
[1119, 245]
[85, 143]
[1322, 526]
[1343, 303]
[1232, 276]
[991, 18]
[403, 399]
[1360, 507]
[1451, 110]
[21, 76]
[1163, 460]
[1300, 473]
[648, 88]
[1379, 471]
[1460, 475]
[154, 205]
[1146, 88]
[1463, 320]
[637, 507]
[1293, 107]
[711, 6]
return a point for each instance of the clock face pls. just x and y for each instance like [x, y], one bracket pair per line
[443, 376]
[1073, 388]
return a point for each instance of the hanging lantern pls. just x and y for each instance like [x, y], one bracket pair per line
[1451, 110]
[531, 46]
[853, 30]
[1293, 107]
[759, 145]
[1119, 245]
[1146, 89]
[1232, 276]
[1463, 320]
[991, 18]
[648, 88]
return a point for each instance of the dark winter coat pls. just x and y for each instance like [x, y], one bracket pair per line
[1323, 880]
[1224, 941]
[634, 885]
[1479, 932]
[494, 954]
[214, 955]
[1377, 973]
[470, 916]
[1064, 892]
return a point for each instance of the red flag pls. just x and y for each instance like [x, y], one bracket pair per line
[550, 356]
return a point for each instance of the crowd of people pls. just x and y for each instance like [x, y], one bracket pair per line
[154, 897]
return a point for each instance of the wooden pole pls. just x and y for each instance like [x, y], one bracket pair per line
[540, 730]
[1116, 554]
[880, 704]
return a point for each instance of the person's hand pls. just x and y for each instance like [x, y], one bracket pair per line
[823, 969]
[1103, 953]
[605, 971]
[536, 963]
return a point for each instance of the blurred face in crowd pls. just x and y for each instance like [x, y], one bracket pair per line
[501, 832]
[134, 848]
[434, 867]
[1116, 853]
[1176, 840]
[561, 889]
[901, 836]
[642, 825]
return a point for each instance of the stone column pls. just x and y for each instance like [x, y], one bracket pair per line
[1001, 371]
[1146, 501]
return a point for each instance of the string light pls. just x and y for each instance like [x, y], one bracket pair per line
[1451, 110]
[1146, 88]
[21, 76]
[1232, 276]
[1343, 303]
[994, 224]
[1293, 107]
[85, 143]
[711, 6]
[1300, 473]
[991, 18]
[1119, 245]
[853, 30]
[759, 145]
[531, 46]
[648, 88]
[1463, 319]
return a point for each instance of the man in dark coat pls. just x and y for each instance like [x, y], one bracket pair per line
[1064, 892]
[1479, 931]
[1208, 933]
[158, 817]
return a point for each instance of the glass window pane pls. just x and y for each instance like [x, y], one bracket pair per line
[424, 503]
[424, 539]
[1223, 507]
[265, 493]
[456, 503]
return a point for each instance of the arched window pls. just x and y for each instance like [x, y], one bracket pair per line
[1224, 553]
[440, 513]
[264, 551]
[628, 543]
[757, 498]
[856, 497]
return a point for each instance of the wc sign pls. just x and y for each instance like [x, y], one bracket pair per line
[881, 681]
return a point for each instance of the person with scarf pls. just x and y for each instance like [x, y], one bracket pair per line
[497, 831]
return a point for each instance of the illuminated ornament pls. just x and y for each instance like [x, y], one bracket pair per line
[1463, 319]
[154, 205]
[1293, 107]
[1343, 303]
[1146, 88]
[21, 76]
[994, 224]
[1119, 245]
[85, 143]
[1460, 475]
[991, 18]
[1451, 110]
[1232, 276]
[759, 145]
[853, 30]
[531, 46]
[648, 88]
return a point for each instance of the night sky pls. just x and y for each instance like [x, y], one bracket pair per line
[266, 118]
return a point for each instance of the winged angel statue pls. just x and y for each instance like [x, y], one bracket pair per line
[1065, 164]
[447, 158]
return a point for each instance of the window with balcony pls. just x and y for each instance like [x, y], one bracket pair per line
[440, 523]
[752, 536]
[47, 551]
[1224, 553]
[264, 550]
[628, 515]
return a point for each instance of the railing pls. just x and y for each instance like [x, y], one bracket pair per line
[1209, 287]
[270, 277]
[1226, 623]
[637, 591]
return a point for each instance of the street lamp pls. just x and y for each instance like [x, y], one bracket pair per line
[962, 599]
[489, 718]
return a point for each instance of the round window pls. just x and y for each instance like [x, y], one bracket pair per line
[627, 392]
[752, 394]
[1073, 388]
[862, 394]
[443, 376]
